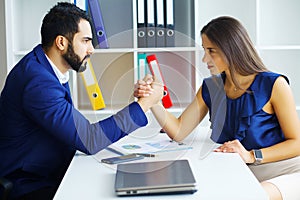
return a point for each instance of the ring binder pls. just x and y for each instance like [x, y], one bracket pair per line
[156, 71]
[142, 65]
[92, 87]
[141, 23]
[150, 24]
[160, 24]
[95, 11]
[170, 33]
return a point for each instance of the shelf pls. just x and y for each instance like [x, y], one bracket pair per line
[278, 47]
[128, 50]
[125, 50]
[272, 27]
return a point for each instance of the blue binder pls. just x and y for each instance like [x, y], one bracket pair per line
[142, 65]
[95, 11]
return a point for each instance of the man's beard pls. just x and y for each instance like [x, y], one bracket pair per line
[74, 61]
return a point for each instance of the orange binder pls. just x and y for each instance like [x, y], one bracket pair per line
[92, 87]
[156, 71]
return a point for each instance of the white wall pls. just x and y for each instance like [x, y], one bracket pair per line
[3, 62]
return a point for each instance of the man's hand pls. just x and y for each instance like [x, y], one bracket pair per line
[143, 87]
[149, 92]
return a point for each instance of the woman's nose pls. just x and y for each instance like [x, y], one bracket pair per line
[205, 58]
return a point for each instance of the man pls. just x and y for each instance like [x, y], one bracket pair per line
[40, 128]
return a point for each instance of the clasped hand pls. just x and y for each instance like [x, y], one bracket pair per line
[146, 87]
[149, 89]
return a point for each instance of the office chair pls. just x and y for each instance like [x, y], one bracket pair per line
[5, 188]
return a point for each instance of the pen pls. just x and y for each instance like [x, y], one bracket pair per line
[145, 154]
[115, 151]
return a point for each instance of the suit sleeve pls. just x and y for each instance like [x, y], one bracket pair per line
[109, 130]
[46, 103]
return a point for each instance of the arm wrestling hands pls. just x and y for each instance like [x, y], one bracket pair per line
[148, 91]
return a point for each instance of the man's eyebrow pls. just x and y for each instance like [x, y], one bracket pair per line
[87, 38]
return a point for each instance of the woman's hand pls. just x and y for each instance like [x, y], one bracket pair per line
[143, 87]
[149, 92]
[235, 146]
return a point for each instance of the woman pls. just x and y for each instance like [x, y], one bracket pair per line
[251, 109]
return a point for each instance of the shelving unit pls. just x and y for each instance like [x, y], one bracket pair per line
[272, 27]
[279, 41]
[116, 67]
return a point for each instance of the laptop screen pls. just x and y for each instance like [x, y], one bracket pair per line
[174, 176]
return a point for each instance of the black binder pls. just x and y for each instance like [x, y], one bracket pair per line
[141, 23]
[151, 23]
[160, 23]
[169, 23]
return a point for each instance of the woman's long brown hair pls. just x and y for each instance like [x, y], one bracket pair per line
[231, 37]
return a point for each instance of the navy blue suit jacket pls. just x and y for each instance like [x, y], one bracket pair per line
[40, 130]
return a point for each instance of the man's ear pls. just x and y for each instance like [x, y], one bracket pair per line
[61, 42]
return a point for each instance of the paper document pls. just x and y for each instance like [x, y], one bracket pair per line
[155, 146]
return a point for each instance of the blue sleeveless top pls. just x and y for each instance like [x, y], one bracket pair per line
[242, 118]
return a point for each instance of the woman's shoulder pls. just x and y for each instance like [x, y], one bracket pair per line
[270, 77]
[263, 85]
[264, 81]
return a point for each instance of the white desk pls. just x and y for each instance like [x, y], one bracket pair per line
[218, 175]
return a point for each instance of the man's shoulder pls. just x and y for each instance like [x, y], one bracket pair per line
[34, 63]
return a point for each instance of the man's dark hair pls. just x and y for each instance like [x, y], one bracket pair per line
[62, 19]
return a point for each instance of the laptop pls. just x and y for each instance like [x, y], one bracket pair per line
[159, 177]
